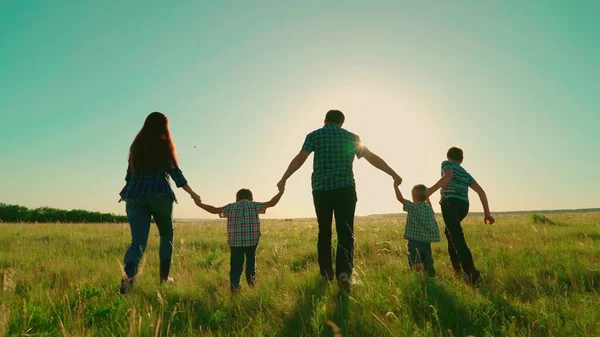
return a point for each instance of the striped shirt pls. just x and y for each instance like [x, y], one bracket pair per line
[458, 187]
[420, 222]
[335, 149]
[147, 182]
[243, 224]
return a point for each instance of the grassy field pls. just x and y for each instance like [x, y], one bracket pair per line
[541, 277]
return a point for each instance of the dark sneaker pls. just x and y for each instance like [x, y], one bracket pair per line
[126, 285]
[251, 281]
[473, 277]
[344, 282]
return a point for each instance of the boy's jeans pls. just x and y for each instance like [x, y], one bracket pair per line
[237, 265]
[454, 211]
[420, 252]
[342, 203]
[139, 211]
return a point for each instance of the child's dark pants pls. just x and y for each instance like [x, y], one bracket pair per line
[420, 252]
[454, 211]
[238, 254]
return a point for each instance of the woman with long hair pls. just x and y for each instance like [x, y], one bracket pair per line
[147, 193]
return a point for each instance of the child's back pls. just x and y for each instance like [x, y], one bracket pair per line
[455, 184]
[243, 232]
[243, 223]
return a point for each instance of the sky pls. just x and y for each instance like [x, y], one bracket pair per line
[515, 84]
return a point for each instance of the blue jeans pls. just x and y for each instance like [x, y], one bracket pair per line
[139, 212]
[420, 252]
[237, 265]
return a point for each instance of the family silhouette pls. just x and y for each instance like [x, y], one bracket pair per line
[148, 194]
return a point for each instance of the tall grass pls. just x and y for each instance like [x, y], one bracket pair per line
[538, 280]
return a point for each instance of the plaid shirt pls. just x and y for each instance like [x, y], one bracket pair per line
[420, 222]
[334, 150]
[243, 225]
[148, 182]
[458, 187]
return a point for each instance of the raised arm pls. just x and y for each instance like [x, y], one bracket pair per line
[398, 193]
[274, 201]
[444, 180]
[379, 163]
[488, 218]
[208, 208]
[295, 164]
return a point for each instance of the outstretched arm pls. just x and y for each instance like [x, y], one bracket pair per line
[191, 192]
[379, 163]
[274, 201]
[441, 183]
[399, 194]
[488, 218]
[296, 163]
[208, 208]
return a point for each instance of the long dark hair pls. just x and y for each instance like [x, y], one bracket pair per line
[153, 146]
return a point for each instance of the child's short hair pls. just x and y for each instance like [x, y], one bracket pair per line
[455, 154]
[419, 192]
[242, 194]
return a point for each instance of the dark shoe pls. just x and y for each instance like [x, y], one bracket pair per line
[344, 282]
[165, 268]
[235, 289]
[328, 275]
[473, 277]
[251, 281]
[126, 285]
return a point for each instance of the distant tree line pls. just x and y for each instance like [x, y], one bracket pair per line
[15, 213]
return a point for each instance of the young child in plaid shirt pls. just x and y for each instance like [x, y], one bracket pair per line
[421, 229]
[243, 232]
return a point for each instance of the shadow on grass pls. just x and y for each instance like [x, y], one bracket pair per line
[340, 316]
[301, 319]
[434, 303]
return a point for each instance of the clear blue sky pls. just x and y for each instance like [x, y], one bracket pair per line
[516, 84]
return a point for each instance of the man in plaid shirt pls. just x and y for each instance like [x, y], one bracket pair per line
[243, 232]
[334, 189]
[421, 229]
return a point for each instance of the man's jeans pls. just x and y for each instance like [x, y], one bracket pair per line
[342, 203]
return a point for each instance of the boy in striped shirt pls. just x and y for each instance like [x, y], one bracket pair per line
[455, 183]
[243, 232]
[421, 229]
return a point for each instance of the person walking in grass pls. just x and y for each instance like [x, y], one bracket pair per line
[243, 232]
[421, 229]
[454, 184]
[148, 194]
[334, 190]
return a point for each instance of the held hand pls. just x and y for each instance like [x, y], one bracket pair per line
[489, 219]
[397, 180]
[195, 197]
[281, 185]
[198, 202]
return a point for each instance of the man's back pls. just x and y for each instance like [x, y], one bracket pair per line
[334, 150]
